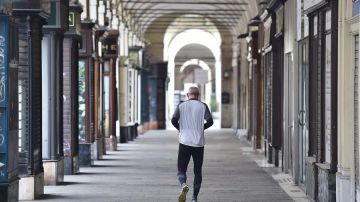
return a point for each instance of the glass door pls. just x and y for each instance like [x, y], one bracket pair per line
[288, 110]
[303, 100]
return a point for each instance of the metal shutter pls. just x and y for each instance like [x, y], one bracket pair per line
[356, 108]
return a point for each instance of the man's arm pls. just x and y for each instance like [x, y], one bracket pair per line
[175, 118]
[208, 118]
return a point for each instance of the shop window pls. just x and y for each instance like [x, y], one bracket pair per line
[328, 88]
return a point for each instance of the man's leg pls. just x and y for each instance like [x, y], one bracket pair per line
[198, 157]
[183, 162]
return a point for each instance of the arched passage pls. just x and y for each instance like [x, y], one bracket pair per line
[204, 66]
[187, 37]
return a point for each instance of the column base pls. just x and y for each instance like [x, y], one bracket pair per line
[344, 185]
[123, 134]
[53, 171]
[143, 128]
[111, 143]
[270, 154]
[31, 187]
[98, 146]
[136, 131]
[9, 192]
[311, 182]
[130, 135]
[85, 157]
[327, 183]
[71, 165]
[155, 125]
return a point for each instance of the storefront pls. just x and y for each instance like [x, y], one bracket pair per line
[273, 61]
[321, 164]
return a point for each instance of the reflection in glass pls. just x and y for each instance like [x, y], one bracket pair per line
[82, 105]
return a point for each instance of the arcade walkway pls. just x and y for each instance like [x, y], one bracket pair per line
[144, 170]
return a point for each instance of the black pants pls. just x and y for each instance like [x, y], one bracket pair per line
[197, 153]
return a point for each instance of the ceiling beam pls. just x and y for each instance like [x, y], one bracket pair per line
[190, 24]
[178, 15]
[210, 16]
[184, 2]
[213, 19]
[183, 9]
[195, 23]
[158, 30]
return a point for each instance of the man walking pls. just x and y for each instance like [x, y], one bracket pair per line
[189, 119]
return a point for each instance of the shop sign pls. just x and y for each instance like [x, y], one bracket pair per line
[109, 46]
[225, 98]
[134, 58]
[311, 5]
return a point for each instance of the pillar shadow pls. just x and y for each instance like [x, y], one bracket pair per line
[69, 183]
[50, 196]
[86, 173]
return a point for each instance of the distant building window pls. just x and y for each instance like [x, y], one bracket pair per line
[356, 7]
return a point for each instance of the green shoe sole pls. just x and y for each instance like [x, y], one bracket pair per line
[182, 196]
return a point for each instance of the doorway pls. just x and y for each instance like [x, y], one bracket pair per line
[303, 101]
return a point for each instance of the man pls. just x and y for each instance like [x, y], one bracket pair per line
[189, 119]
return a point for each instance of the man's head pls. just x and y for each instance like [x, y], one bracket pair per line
[193, 93]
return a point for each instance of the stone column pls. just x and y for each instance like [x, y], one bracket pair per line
[30, 22]
[52, 99]
[157, 88]
[98, 146]
[346, 187]
[86, 56]
[123, 97]
[71, 90]
[109, 51]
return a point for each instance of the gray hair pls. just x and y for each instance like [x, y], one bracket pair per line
[193, 90]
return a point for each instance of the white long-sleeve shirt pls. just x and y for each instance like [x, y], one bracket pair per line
[189, 119]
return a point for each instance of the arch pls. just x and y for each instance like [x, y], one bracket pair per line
[198, 62]
[204, 66]
[191, 36]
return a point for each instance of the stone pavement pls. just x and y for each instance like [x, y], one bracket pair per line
[145, 170]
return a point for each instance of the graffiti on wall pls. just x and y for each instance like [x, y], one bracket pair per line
[2, 69]
[4, 50]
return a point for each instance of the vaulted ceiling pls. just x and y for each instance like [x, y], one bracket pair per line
[156, 15]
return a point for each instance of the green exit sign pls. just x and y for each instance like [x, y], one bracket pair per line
[71, 19]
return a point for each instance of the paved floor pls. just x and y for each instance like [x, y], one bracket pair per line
[145, 170]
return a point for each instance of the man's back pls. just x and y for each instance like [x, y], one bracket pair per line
[191, 115]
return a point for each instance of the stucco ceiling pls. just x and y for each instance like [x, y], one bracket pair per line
[228, 15]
